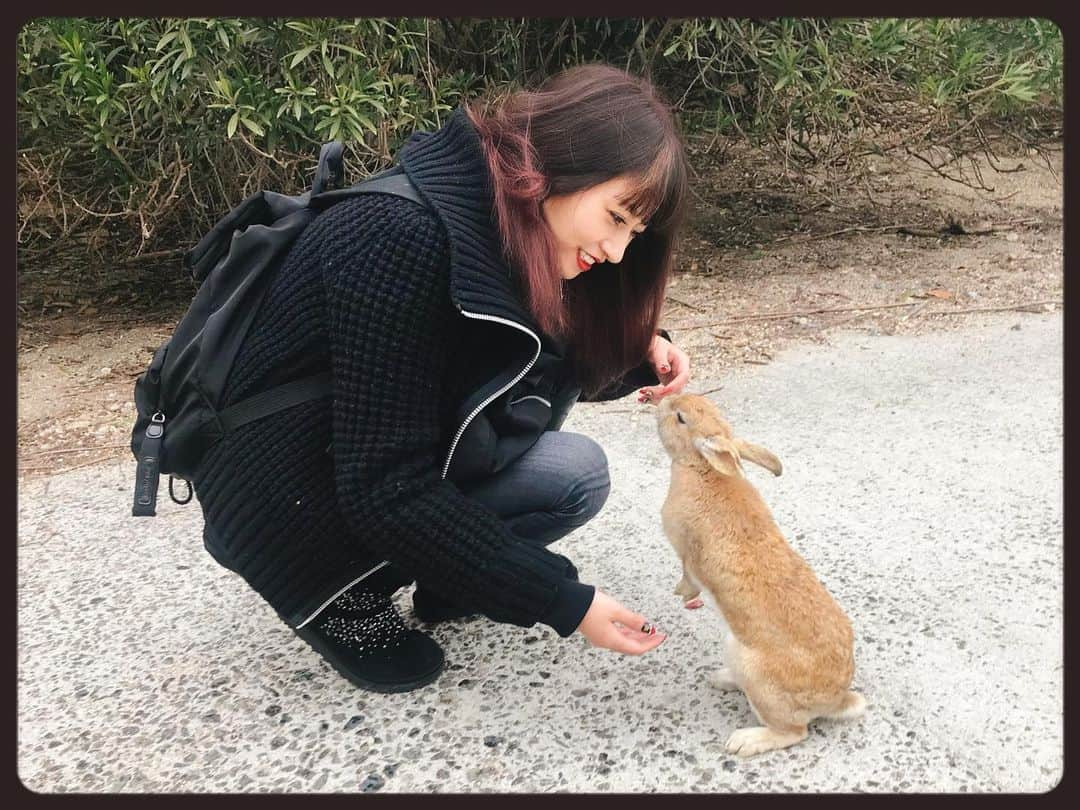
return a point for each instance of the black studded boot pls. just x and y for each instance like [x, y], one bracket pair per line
[362, 636]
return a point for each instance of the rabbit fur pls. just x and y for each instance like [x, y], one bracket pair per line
[789, 646]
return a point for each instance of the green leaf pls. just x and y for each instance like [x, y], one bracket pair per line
[230, 130]
[301, 55]
[251, 125]
[109, 57]
[363, 119]
[189, 49]
[165, 40]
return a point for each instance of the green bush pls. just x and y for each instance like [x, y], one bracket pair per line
[135, 134]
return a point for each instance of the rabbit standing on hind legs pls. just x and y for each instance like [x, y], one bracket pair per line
[789, 646]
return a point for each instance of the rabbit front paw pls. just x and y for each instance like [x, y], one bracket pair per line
[687, 590]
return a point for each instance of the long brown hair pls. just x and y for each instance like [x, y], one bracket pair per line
[584, 126]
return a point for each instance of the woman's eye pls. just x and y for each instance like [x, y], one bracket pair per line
[620, 221]
[680, 416]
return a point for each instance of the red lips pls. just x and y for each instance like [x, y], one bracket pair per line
[581, 263]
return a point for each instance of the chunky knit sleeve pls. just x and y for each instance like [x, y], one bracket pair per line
[390, 322]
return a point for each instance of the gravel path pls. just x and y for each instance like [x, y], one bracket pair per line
[922, 481]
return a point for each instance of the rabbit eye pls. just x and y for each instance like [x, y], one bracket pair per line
[680, 416]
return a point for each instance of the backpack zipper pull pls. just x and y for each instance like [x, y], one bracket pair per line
[148, 468]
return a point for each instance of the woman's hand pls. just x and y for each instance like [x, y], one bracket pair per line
[611, 626]
[672, 366]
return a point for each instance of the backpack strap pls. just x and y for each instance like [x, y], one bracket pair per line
[397, 183]
[392, 181]
[276, 399]
[330, 171]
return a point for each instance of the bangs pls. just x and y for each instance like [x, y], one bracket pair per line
[656, 197]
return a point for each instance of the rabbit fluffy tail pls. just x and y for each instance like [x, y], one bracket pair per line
[851, 706]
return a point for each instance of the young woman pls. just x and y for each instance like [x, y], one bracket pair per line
[459, 333]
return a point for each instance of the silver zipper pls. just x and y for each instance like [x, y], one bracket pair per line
[324, 605]
[501, 391]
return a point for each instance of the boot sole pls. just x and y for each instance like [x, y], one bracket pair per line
[327, 653]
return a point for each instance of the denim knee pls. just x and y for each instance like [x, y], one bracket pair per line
[589, 490]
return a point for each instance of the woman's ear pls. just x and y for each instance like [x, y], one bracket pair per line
[720, 453]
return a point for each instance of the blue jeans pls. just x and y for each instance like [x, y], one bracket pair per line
[555, 487]
[559, 484]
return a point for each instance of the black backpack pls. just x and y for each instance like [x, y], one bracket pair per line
[179, 397]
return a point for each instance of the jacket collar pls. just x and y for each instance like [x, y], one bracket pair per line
[449, 170]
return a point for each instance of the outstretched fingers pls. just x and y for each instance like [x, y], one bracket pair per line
[637, 634]
[634, 642]
[609, 625]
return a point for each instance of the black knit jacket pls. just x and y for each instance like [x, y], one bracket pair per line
[404, 304]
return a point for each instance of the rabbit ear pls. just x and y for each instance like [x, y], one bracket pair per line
[720, 453]
[758, 455]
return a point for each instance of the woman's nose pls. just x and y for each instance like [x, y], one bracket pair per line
[615, 248]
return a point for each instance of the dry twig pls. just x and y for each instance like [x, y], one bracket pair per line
[89, 463]
[954, 229]
[75, 450]
[157, 254]
[684, 303]
[1012, 308]
[767, 316]
[915, 311]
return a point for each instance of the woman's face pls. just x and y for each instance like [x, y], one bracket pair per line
[591, 225]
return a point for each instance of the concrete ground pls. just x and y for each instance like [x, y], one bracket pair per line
[922, 481]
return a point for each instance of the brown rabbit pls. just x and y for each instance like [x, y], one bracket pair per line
[789, 645]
